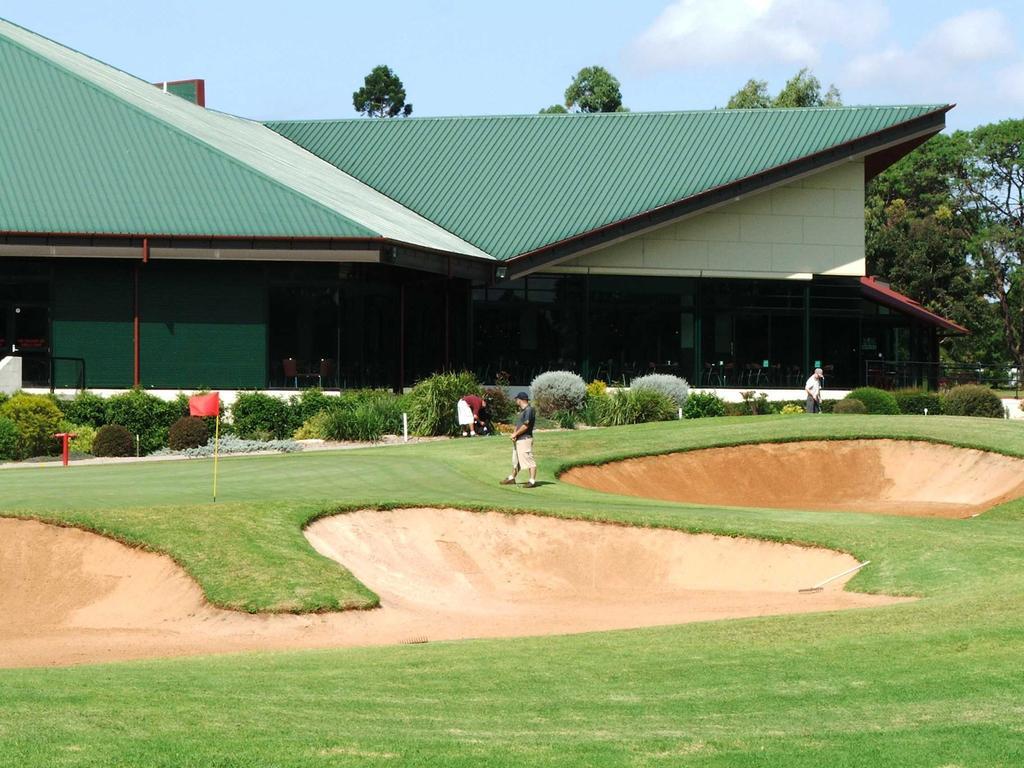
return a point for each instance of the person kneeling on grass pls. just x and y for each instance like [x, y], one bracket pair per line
[468, 411]
[522, 442]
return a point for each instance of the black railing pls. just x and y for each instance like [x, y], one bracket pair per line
[79, 377]
[904, 374]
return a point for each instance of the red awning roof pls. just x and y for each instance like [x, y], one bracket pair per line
[874, 289]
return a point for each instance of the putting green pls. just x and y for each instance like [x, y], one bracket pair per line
[937, 681]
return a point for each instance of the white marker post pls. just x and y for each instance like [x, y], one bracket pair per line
[405, 428]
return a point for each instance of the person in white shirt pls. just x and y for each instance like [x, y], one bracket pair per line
[813, 390]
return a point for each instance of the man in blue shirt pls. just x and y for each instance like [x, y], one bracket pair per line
[522, 441]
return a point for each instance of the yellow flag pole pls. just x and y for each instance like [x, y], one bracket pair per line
[216, 452]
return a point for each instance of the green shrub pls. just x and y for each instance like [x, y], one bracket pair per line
[113, 440]
[565, 419]
[674, 388]
[144, 415]
[755, 403]
[501, 407]
[8, 439]
[432, 402]
[85, 408]
[915, 401]
[307, 404]
[256, 416]
[700, 405]
[875, 400]
[181, 409]
[557, 391]
[4, 397]
[37, 418]
[84, 434]
[315, 427]
[850, 405]
[637, 406]
[972, 400]
[188, 432]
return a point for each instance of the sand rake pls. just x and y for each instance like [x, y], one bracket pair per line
[820, 586]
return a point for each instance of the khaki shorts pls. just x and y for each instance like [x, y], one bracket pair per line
[522, 454]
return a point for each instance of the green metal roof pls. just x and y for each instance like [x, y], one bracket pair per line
[510, 185]
[86, 148]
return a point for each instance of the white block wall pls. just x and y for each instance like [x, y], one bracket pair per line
[813, 226]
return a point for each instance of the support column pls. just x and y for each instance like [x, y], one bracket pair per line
[136, 329]
[447, 325]
[401, 339]
[586, 363]
[807, 330]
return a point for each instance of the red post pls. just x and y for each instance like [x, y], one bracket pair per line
[65, 439]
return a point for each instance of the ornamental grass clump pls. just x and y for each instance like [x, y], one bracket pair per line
[432, 402]
[558, 391]
[973, 400]
[636, 406]
[674, 388]
[876, 401]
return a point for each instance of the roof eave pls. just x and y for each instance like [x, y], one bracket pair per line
[905, 305]
[920, 128]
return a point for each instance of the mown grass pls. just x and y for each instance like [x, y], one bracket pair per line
[936, 682]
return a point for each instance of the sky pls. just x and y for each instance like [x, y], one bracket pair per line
[303, 59]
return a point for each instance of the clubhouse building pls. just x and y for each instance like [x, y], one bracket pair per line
[146, 240]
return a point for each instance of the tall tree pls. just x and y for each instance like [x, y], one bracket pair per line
[753, 95]
[801, 90]
[382, 95]
[921, 237]
[991, 181]
[594, 89]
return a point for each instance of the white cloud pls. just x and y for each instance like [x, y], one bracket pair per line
[979, 35]
[707, 32]
[1010, 84]
[951, 49]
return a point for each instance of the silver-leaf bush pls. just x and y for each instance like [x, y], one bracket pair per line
[674, 388]
[558, 391]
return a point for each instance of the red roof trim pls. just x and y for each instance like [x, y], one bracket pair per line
[877, 291]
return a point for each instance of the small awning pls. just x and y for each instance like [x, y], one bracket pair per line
[875, 290]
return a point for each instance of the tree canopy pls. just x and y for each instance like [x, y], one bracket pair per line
[945, 225]
[382, 95]
[801, 90]
[594, 89]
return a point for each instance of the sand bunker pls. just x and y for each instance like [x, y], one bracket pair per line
[67, 596]
[882, 476]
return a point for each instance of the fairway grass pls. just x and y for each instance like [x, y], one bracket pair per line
[937, 682]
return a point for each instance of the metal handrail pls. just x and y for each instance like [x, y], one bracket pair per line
[81, 370]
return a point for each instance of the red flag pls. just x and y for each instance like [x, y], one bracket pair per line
[204, 405]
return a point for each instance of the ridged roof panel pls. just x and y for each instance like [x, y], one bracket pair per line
[513, 184]
[86, 148]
